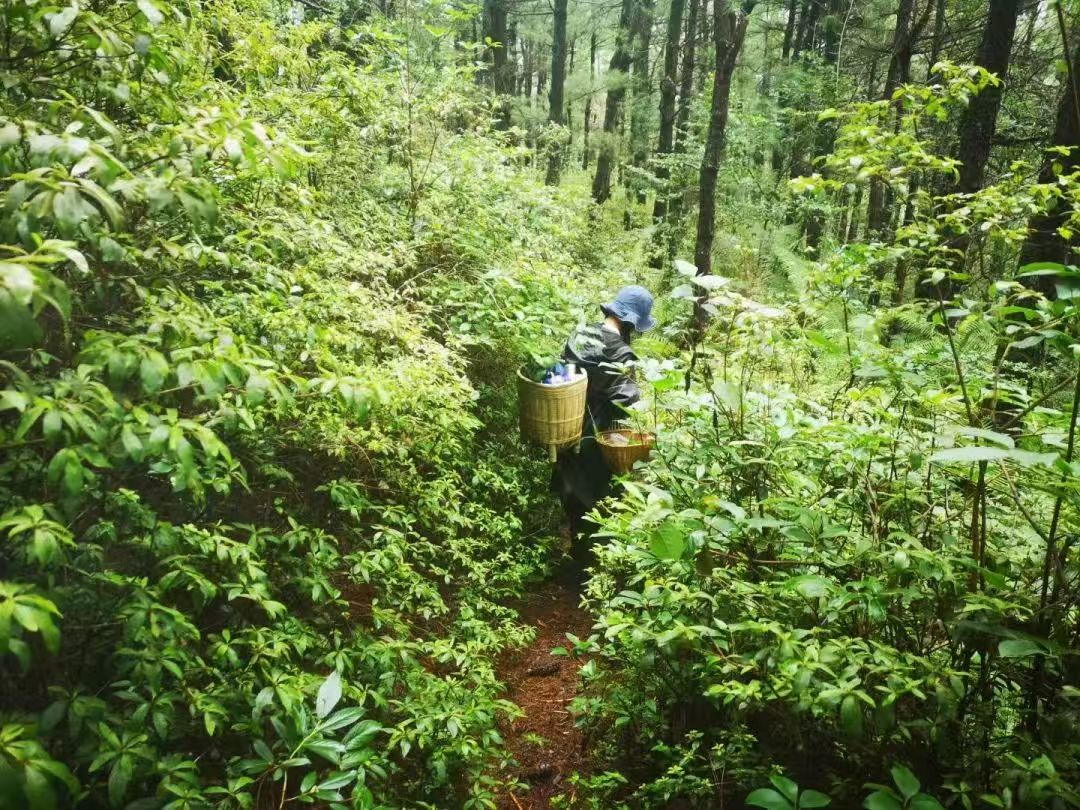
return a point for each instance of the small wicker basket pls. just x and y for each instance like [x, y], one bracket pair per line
[621, 458]
[552, 415]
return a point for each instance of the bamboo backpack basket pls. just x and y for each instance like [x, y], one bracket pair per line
[552, 415]
[621, 458]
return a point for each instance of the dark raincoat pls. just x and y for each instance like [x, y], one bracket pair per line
[582, 479]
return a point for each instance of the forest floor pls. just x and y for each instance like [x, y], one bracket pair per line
[544, 741]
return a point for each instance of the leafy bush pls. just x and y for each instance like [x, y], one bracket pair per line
[255, 547]
[845, 562]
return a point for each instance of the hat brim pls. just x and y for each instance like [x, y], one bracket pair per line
[610, 310]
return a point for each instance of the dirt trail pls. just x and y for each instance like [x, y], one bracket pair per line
[543, 686]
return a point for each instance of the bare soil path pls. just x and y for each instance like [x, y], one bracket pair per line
[545, 742]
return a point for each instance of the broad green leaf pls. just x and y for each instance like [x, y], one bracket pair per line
[809, 586]
[133, 445]
[905, 780]
[13, 400]
[52, 424]
[59, 771]
[150, 11]
[1044, 268]
[710, 282]
[152, 371]
[76, 258]
[685, 268]
[880, 800]
[969, 454]
[337, 780]
[768, 799]
[668, 540]
[786, 786]
[70, 209]
[108, 205]
[329, 695]
[119, 778]
[811, 798]
[1027, 458]
[18, 329]
[901, 560]
[1067, 289]
[61, 21]
[924, 802]
[344, 717]
[851, 717]
[74, 476]
[263, 750]
[39, 792]
[683, 291]
[990, 436]
[10, 134]
[1020, 648]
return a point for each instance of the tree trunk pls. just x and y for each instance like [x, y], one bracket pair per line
[569, 104]
[800, 32]
[500, 77]
[1029, 30]
[902, 266]
[824, 135]
[980, 117]
[512, 47]
[729, 31]
[525, 87]
[814, 226]
[666, 142]
[642, 90]
[830, 38]
[937, 40]
[810, 34]
[694, 27]
[620, 62]
[557, 96]
[686, 76]
[1044, 242]
[586, 150]
[852, 233]
[976, 132]
[789, 28]
[900, 58]
[704, 37]
[877, 215]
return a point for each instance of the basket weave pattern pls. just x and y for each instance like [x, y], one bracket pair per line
[552, 415]
[621, 458]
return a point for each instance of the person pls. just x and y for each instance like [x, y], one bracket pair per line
[581, 478]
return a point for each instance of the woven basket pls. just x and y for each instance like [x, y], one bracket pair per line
[552, 415]
[621, 458]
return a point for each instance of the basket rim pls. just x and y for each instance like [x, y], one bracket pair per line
[648, 438]
[583, 377]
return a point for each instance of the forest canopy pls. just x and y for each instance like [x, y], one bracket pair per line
[268, 271]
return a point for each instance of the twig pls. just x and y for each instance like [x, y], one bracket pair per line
[1068, 60]
[1033, 405]
[955, 357]
[754, 561]
[316, 6]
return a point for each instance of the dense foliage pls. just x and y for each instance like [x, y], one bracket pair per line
[255, 546]
[269, 271]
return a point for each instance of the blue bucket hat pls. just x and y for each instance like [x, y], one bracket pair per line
[632, 305]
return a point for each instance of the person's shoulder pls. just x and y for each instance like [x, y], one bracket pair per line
[585, 341]
[617, 349]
